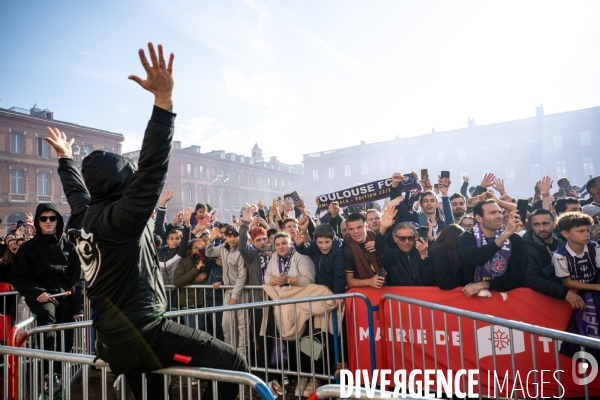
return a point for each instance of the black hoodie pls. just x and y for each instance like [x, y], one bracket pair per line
[111, 228]
[48, 263]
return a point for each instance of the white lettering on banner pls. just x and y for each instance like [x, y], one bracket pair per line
[440, 338]
[545, 342]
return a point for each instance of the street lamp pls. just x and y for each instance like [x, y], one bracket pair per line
[220, 181]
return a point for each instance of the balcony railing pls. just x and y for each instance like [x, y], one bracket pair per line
[43, 198]
[17, 198]
[63, 200]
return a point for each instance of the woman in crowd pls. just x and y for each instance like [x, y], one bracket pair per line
[447, 266]
[8, 304]
[193, 270]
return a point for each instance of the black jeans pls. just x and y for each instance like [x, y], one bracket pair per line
[56, 311]
[156, 348]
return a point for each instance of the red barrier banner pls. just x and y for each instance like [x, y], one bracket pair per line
[420, 338]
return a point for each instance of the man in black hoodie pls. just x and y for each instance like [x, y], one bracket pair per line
[111, 228]
[48, 265]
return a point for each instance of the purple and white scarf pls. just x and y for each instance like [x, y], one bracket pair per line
[264, 261]
[284, 267]
[499, 262]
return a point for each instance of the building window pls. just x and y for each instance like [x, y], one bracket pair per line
[252, 180]
[243, 178]
[275, 182]
[462, 155]
[347, 170]
[44, 183]
[189, 170]
[534, 171]
[191, 196]
[401, 163]
[225, 198]
[234, 177]
[558, 142]
[261, 181]
[330, 172]
[236, 199]
[510, 175]
[43, 148]
[16, 181]
[507, 149]
[588, 167]
[87, 149]
[215, 197]
[315, 174]
[16, 143]
[381, 165]
[533, 147]
[364, 168]
[585, 139]
[201, 171]
[561, 169]
[441, 158]
[420, 161]
[268, 181]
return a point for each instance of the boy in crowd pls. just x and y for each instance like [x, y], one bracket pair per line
[326, 252]
[234, 273]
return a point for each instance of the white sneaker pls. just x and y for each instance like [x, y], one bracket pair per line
[286, 381]
[301, 386]
[311, 386]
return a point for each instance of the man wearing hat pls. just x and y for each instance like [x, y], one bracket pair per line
[256, 257]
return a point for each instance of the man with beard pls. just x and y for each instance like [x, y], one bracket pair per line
[373, 219]
[540, 245]
[111, 228]
[458, 204]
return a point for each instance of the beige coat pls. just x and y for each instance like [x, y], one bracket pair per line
[287, 326]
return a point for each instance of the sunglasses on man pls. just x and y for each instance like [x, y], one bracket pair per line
[406, 238]
[52, 218]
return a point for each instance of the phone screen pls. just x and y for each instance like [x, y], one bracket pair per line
[423, 232]
[522, 207]
[423, 220]
[424, 174]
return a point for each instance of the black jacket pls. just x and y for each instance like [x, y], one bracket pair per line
[404, 269]
[111, 228]
[48, 263]
[473, 256]
[445, 277]
[330, 267]
[540, 271]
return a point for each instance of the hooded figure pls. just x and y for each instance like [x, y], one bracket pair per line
[48, 265]
[111, 229]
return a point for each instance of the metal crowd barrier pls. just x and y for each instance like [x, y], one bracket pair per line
[12, 311]
[264, 354]
[501, 331]
[32, 359]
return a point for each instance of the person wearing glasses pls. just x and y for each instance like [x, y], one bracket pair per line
[48, 265]
[406, 264]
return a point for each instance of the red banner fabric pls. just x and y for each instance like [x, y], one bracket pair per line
[424, 339]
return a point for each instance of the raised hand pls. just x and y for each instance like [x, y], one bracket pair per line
[545, 184]
[167, 196]
[488, 180]
[426, 185]
[465, 179]
[215, 233]
[422, 246]
[260, 205]
[499, 185]
[247, 215]
[58, 140]
[514, 224]
[187, 214]
[397, 177]
[159, 79]
[387, 218]
[303, 224]
[396, 202]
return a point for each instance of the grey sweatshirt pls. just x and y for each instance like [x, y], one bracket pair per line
[234, 269]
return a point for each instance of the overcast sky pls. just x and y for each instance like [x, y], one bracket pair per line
[302, 76]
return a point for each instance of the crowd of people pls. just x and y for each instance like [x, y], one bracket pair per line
[480, 239]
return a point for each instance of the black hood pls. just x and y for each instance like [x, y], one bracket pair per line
[106, 175]
[60, 226]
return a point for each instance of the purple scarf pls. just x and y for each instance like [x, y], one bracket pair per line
[499, 262]
[284, 266]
